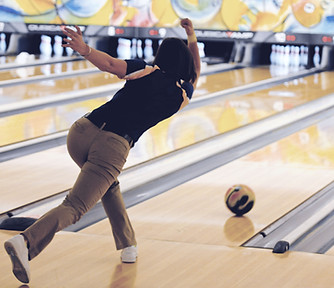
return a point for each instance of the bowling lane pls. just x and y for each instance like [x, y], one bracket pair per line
[46, 69]
[282, 175]
[44, 88]
[49, 120]
[184, 128]
[230, 79]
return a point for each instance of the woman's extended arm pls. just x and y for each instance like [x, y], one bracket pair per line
[101, 60]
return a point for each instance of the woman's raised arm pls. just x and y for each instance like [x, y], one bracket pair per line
[101, 60]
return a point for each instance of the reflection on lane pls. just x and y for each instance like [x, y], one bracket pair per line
[7, 60]
[46, 121]
[311, 147]
[230, 79]
[46, 69]
[12, 94]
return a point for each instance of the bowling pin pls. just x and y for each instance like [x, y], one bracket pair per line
[3, 44]
[201, 46]
[124, 48]
[128, 48]
[45, 46]
[69, 51]
[286, 57]
[280, 55]
[273, 54]
[120, 48]
[148, 50]
[139, 49]
[294, 64]
[316, 56]
[57, 48]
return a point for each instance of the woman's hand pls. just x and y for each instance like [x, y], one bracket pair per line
[75, 40]
[188, 26]
[100, 59]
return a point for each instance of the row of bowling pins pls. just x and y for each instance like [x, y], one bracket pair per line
[128, 49]
[294, 56]
[131, 49]
[289, 55]
[46, 48]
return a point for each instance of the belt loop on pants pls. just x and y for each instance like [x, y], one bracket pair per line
[103, 125]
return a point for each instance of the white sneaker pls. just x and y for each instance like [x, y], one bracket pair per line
[129, 254]
[18, 252]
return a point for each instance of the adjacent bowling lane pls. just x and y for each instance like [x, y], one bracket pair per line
[49, 120]
[230, 79]
[45, 69]
[47, 87]
[185, 128]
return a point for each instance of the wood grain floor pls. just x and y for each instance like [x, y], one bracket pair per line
[79, 260]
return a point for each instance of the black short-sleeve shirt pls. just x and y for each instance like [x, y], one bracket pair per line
[148, 97]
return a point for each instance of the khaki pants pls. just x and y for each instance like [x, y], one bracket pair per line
[101, 156]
